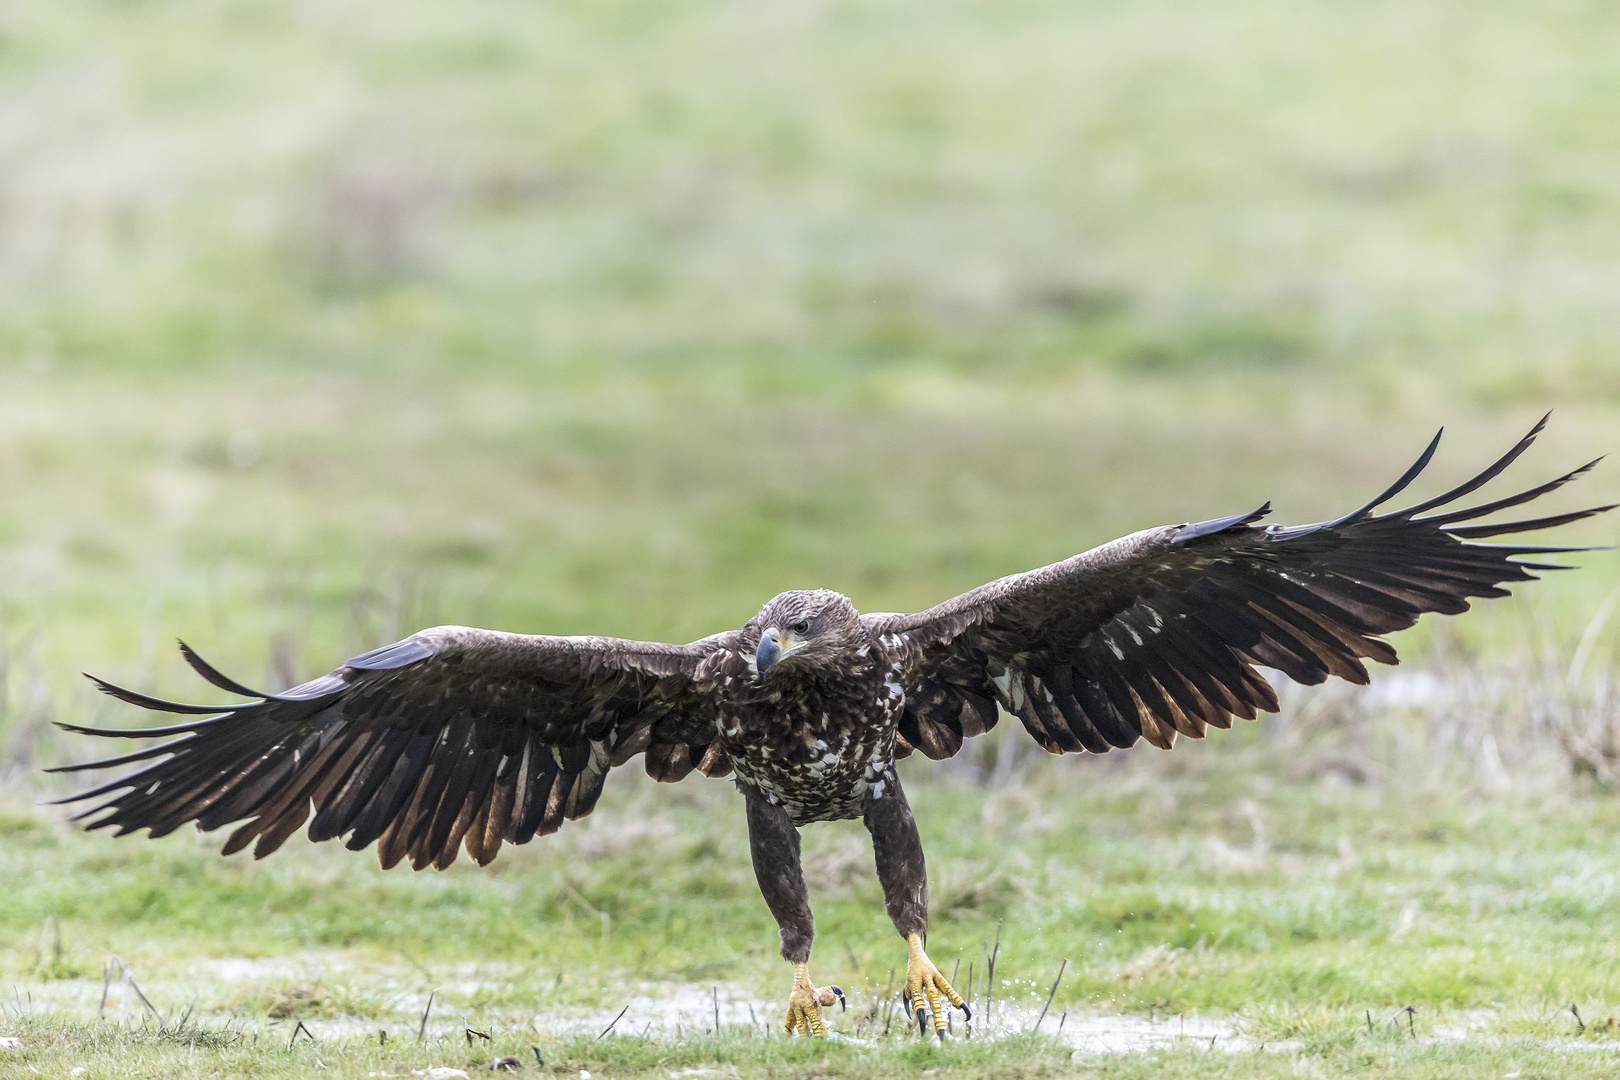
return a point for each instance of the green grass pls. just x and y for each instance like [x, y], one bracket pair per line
[176, 1054]
[1204, 884]
[319, 324]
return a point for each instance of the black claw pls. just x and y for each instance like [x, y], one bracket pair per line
[941, 1034]
[838, 992]
[967, 1012]
[922, 1027]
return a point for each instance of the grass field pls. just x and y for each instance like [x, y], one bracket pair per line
[320, 323]
[1253, 889]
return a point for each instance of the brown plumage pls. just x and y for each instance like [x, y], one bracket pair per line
[457, 737]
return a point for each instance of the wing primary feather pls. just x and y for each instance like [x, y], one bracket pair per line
[1377, 609]
[1488, 474]
[1317, 595]
[212, 674]
[1394, 489]
[391, 845]
[1351, 644]
[152, 778]
[1154, 700]
[1224, 664]
[1499, 528]
[157, 704]
[224, 715]
[1526, 549]
[107, 763]
[287, 812]
[241, 838]
[1467, 513]
[247, 792]
[193, 782]
[1312, 625]
[135, 781]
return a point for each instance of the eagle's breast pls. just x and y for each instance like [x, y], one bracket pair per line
[815, 741]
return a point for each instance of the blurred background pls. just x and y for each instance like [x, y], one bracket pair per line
[321, 322]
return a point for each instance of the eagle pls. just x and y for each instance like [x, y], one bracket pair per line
[463, 738]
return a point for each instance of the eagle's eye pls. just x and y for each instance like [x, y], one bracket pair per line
[800, 627]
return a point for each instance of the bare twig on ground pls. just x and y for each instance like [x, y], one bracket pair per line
[609, 1028]
[1050, 995]
[421, 1030]
[888, 1012]
[990, 976]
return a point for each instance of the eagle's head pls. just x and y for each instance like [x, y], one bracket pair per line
[806, 629]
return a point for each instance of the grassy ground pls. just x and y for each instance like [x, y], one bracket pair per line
[1254, 886]
[318, 325]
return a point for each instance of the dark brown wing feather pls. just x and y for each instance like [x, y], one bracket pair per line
[453, 736]
[1159, 633]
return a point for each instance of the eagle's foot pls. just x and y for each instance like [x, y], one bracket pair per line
[925, 985]
[806, 1002]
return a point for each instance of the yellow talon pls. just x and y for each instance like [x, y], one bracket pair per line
[924, 985]
[806, 1001]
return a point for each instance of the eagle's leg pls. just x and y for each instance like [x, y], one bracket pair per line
[904, 876]
[773, 840]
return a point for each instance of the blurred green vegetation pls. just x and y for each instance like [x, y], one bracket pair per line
[319, 323]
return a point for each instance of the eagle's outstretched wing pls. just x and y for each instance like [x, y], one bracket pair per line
[452, 735]
[1160, 632]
